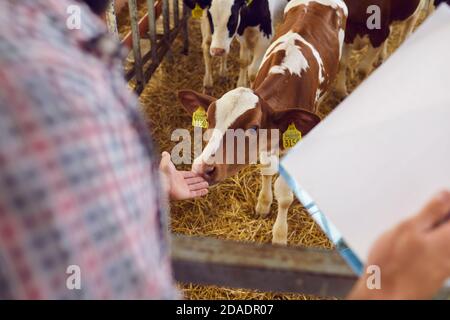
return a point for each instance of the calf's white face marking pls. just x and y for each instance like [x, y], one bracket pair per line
[229, 108]
[221, 12]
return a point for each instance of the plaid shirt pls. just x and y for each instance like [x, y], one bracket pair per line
[78, 188]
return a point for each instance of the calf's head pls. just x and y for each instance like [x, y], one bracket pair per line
[241, 124]
[224, 18]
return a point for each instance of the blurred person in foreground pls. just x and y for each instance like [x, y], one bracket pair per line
[79, 185]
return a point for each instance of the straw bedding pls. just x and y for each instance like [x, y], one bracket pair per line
[228, 211]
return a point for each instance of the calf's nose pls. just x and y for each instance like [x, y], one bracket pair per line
[217, 52]
[201, 168]
[209, 171]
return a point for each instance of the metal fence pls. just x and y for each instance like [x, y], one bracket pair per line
[173, 17]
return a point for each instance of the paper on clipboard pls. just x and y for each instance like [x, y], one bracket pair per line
[385, 151]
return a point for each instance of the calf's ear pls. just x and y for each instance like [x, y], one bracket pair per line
[191, 100]
[304, 120]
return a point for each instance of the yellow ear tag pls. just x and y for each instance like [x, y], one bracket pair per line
[249, 2]
[197, 12]
[200, 118]
[291, 136]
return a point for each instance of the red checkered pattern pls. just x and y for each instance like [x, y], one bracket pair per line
[77, 182]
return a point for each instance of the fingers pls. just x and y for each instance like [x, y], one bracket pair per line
[441, 236]
[189, 174]
[194, 180]
[192, 177]
[199, 193]
[435, 211]
[199, 186]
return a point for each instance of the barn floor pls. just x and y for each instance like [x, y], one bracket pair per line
[228, 211]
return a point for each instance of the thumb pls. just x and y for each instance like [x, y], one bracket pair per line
[165, 172]
[165, 155]
[435, 212]
[165, 162]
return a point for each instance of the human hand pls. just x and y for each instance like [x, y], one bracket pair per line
[181, 185]
[414, 257]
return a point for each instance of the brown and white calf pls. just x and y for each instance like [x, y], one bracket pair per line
[361, 31]
[251, 21]
[297, 70]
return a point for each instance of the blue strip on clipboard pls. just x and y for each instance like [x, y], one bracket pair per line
[330, 230]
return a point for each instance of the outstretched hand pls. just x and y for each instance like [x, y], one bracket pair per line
[181, 185]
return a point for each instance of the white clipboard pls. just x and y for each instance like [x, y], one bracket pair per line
[385, 151]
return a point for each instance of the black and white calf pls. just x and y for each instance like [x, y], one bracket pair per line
[251, 21]
[432, 4]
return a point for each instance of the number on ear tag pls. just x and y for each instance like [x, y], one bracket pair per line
[200, 118]
[291, 136]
